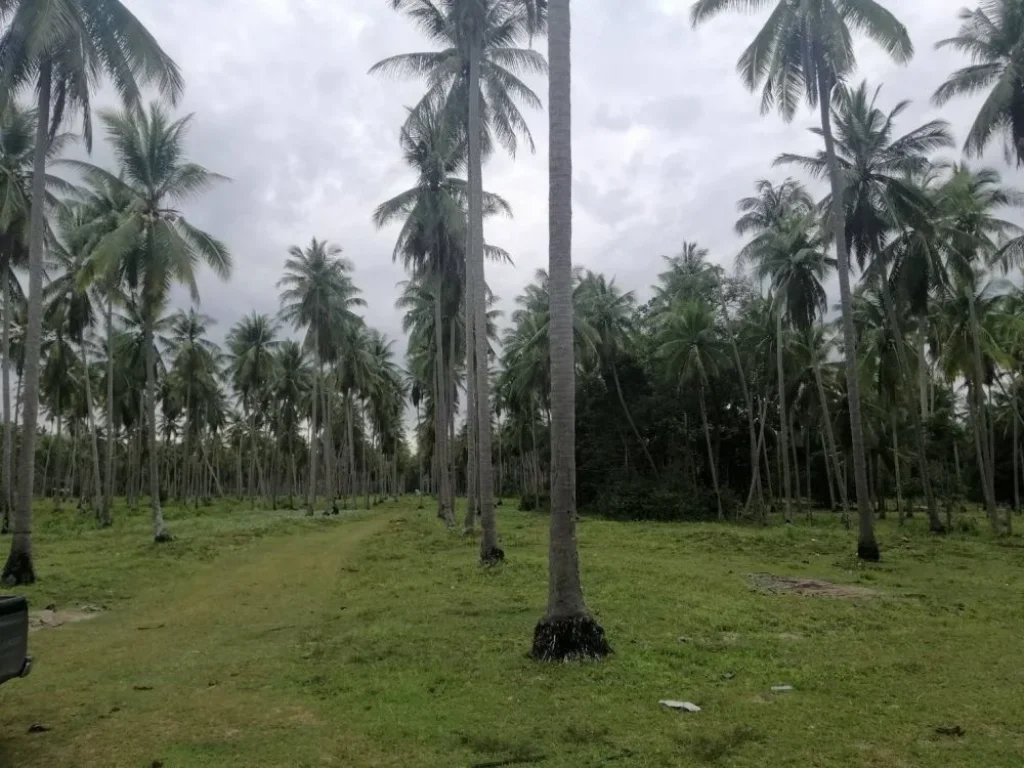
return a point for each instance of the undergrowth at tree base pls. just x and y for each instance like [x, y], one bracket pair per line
[569, 638]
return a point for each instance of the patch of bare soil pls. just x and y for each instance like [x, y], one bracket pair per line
[787, 585]
[49, 618]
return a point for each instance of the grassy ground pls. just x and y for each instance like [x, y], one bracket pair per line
[266, 639]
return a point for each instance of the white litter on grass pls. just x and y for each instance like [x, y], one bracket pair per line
[686, 706]
[782, 688]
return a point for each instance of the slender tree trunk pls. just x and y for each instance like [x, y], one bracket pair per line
[1016, 473]
[906, 376]
[311, 497]
[567, 630]
[472, 471]
[896, 465]
[8, 476]
[160, 532]
[97, 489]
[629, 419]
[783, 420]
[490, 550]
[978, 393]
[108, 501]
[711, 454]
[19, 568]
[867, 545]
[830, 437]
[755, 462]
[58, 464]
[922, 369]
[809, 501]
[796, 462]
[351, 450]
[444, 509]
[828, 471]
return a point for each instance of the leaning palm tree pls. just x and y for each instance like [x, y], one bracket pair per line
[476, 76]
[992, 35]
[567, 630]
[319, 296]
[806, 49]
[154, 242]
[61, 47]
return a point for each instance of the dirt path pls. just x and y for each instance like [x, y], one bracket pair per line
[215, 658]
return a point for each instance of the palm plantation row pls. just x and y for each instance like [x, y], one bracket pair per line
[734, 394]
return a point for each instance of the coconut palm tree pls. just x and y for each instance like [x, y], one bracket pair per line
[154, 242]
[974, 236]
[197, 362]
[991, 35]
[567, 629]
[60, 47]
[608, 312]
[693, 351]
[251, 346]
[884, 207]
[806, 49]
[476, 76]
[71, 303]
[791, 256]
[319, 297]
[291, 387]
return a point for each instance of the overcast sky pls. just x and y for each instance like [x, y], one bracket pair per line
[666, 138]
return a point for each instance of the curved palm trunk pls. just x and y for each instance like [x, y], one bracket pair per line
[160, 532]
[490, 551]
[711, 453]
[980, 420]
[567, 630]
[444, 509]
[109, 493]
[19, 568]
[867, 545]
[8, 476]
[906, 376]
[97, 486]
[787, 511]
[629, 419]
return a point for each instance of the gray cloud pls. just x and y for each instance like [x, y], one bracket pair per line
[666, 138]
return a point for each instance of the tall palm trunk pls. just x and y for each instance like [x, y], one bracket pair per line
[711, 453]
[922, 370]
[1016, 468]
[444, 508]
[867, 545]
[97, 486]
[8, 476]
[906, 376]
[830, 437]
[783, 421]
[109, 493]
[567, 630]
[19, 568]
[490, 551]
[980, 420]
[757, 495]
[160, 532]
[311, 497]
[472, 469]
[896, 467]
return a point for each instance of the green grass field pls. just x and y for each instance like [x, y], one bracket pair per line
[268, 639]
